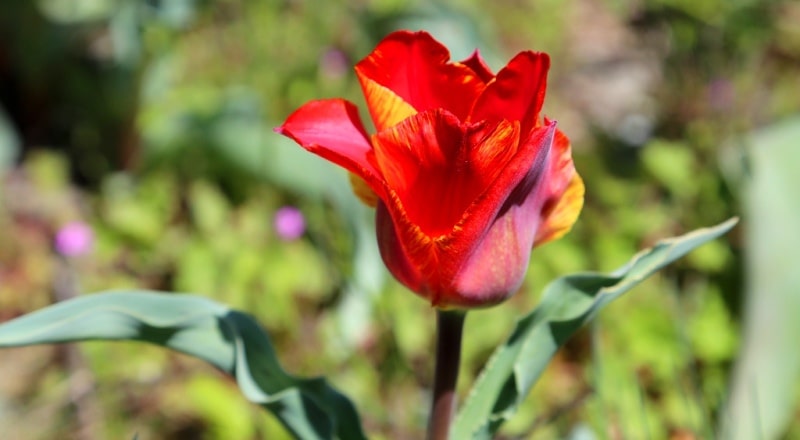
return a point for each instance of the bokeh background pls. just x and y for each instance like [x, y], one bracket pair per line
[151, 122]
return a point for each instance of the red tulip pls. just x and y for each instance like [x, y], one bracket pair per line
[466, 175]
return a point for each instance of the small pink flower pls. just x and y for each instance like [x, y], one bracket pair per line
[289, 223]
[74, 239]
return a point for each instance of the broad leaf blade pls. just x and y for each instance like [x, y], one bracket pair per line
[763, 398]
[567, 304]
[230, 340]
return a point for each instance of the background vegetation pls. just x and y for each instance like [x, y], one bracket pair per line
[152, 122]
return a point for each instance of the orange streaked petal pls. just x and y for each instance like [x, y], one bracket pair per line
[439, 260]
[493, 145]
[566, 193]
[386, 108]
[559, 219]
[431, 160]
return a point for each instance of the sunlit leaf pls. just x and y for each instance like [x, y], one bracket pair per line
[763, 391]
[231, 340]
[568, 303]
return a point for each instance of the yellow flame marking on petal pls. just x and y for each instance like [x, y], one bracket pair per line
[386, 108]
[564, 214]
[363, 191]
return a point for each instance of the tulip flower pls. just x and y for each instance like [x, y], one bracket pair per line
[466, 174]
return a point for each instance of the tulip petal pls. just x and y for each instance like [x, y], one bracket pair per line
[566, 192]
[542, 207]
[332, 129]
[495, 267]
[476, 63]
[517, 93]
[393, 253]
[386, 108]
[431, 160]
[439, 260]
[417, 69]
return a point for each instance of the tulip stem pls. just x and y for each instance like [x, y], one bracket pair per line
[449, 325]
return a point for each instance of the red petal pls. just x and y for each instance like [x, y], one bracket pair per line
[542, 207]
[476, 63]
[332, 129]
[438, 168]
[497, 267]
[417, 69]
[394, 253]
[517, 92]
[438, 261]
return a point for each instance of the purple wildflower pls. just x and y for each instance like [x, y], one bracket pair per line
[74, 239]
[289, 223]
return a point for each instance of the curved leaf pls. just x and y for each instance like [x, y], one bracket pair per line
[230, 340]
[567, 304]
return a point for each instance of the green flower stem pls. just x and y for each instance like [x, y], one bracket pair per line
[449, 325]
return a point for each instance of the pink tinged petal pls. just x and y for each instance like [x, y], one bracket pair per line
[517, 93]
[496, 267]
[332, 129]
[417, 68]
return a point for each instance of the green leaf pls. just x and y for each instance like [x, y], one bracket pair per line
[763, 398]
[230, 340]
[568, 303]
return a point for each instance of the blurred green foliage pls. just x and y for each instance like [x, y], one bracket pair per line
[151, 120]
